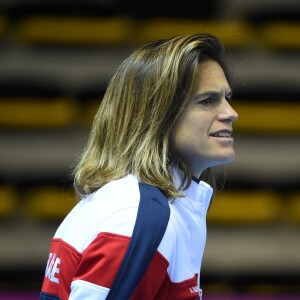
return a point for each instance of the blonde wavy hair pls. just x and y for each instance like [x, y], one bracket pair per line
[131, 130]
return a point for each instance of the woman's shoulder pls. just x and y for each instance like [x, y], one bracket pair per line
[107, 209]
[121, 192]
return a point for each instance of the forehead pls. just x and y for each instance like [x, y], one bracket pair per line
[211, 76]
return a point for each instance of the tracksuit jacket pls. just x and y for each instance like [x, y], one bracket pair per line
[89, 245]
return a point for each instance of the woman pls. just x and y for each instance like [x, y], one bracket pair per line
[164, 121]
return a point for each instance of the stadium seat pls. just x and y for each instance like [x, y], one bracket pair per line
[294, 207]
[49, 202]
[249, 207]
[89, 111]
[64, 30]
[37, 113]
[282, 35]
[267, 117]
[233, 33]
[8, 201]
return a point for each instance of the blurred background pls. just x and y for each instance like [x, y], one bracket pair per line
[56, 58]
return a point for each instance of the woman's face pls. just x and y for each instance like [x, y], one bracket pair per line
[202, 136]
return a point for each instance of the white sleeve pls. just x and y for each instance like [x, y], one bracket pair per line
[83, 290]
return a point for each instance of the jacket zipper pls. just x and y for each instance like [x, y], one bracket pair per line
[200, 294]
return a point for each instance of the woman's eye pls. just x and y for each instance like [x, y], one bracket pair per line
[207, 101]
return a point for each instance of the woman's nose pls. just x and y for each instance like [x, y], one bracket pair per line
[234, 114]
[228, 112]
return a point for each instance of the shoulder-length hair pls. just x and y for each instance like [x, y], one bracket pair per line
[131, 130]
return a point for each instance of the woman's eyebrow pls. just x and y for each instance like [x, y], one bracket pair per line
[208, 94]
[213, 94]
